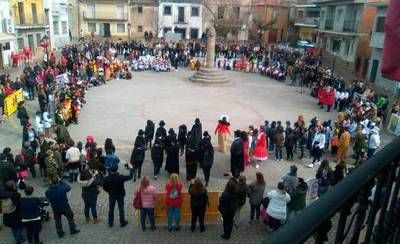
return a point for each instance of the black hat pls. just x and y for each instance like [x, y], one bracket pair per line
[197, 120]
[162, 123]
[205, 133]
[141, 132]
[171, 131]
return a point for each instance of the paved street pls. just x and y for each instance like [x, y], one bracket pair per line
[120, 108]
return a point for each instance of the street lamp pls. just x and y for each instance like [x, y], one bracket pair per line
[333, 64]
[129, 32]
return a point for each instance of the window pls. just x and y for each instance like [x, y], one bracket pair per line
[380, 24]
[221, 11]
[21, 13]
[274, 14]
[91, 27]
[194, 33]
[166, 30]
[347, 47]
[140, 28]
[195, 12]
[140, 9]
[6, 46]
[56, 28]
[34, 13]
[90, 12]
[21, 43]
[167, 10]
[120, 12]
[120, 28]
[300, 14]
[236, 12]
[339, 14]
[38, 38]
[64, 28]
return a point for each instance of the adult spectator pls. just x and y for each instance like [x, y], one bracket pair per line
[206, 156]
[318, 145]
[52, 168]
[10, 197]
[343, 147]
[374, 142]
[62, 134]
[276, 210]
[73, 157]
[90, 190]
[148, 196]
[30, 214]
[7, 170]
[256, 195]
[325, 177]
[114, 185]
[22, 114]
[236, 154]
[297, 199]
[227, 207]
[173, 200]
[57, 195]
[242, 191]
[279, 142]
[290, 179]
[198, 203]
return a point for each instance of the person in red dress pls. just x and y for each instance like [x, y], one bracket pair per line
[260, 151]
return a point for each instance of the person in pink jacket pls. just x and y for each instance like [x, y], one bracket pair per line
[148, 196]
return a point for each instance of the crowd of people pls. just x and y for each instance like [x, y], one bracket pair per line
[60, 88]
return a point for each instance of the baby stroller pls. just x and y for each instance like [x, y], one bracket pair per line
[44, 213]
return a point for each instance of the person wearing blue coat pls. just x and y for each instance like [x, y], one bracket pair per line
[30, 214]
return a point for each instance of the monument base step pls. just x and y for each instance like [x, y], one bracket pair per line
[209, 76]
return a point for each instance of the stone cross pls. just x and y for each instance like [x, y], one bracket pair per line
[210, 47]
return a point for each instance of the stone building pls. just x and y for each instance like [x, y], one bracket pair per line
[8, 42]
[143, 17]
[58, 22]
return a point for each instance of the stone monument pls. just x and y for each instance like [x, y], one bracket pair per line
[210, 75]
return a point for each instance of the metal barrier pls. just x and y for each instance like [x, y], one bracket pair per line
[376, 221]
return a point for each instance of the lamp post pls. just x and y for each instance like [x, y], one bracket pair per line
[129, 32]
[333, 64]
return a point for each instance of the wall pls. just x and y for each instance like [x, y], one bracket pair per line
[265, 13]
[58, 11]
[28, 11]
[147, 19]
[74, 18]
[5, 14]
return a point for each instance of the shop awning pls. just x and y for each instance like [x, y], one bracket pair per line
[4, 37]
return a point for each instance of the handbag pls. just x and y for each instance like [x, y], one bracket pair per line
[137, 200]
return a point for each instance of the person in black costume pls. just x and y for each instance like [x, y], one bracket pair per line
[137, 156]
[172, 149]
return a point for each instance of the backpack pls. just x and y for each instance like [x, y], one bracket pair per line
[173, 194]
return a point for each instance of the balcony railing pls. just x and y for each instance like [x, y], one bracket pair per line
[329, 24]
[350, 26]
[31, 22]
[307, 21]
[346, 214]
[88, 15]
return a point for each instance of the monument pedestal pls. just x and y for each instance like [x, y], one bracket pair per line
[209, 76]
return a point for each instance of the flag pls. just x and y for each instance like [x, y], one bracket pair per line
[390, 67]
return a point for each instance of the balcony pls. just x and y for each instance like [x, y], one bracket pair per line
[89, 15]
[181, 21]
[329, 24]
[346, 214]
[307, 21]
[31, 23]
[350, 26]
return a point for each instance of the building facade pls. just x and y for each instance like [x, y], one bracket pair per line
[272, 20]
[183, 18]
[377, 38]
[58, 22]
[344, 30]
[104, 18]
[31, 23]
[306, 20]
[8, 41]
[231, 18]
[143, 17]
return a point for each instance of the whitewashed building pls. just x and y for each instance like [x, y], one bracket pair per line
[184, 18]
[58, 22]
[8, 41]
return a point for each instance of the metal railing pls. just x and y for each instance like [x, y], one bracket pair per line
[329, 24]
[98, 15]
[350, 26]
[370, 222]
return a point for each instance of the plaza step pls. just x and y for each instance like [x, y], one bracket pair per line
[209, 76]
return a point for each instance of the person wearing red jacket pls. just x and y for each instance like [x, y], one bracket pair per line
[321, 96]
[223, 131]
[173, 200]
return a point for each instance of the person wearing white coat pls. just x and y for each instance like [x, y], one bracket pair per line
[276, 210]
[47, 121]
[38, 122]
